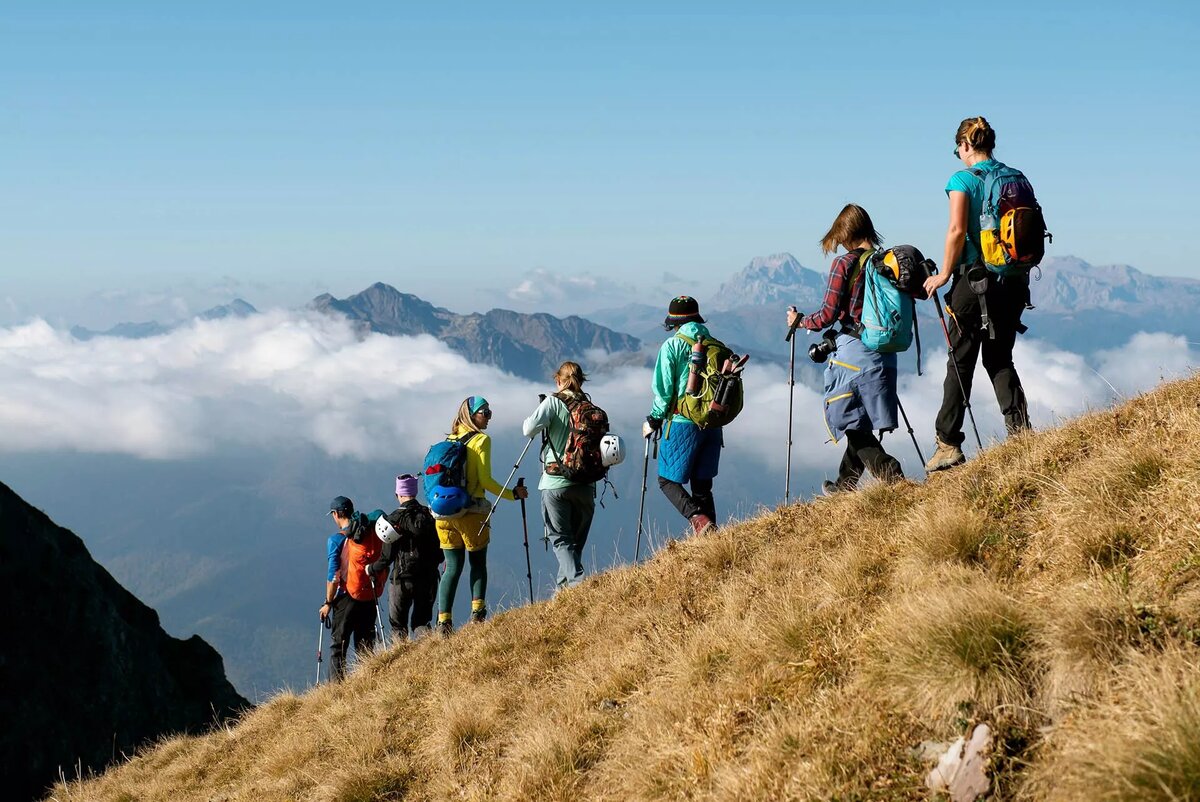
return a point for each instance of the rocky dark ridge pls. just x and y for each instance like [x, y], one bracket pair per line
[528, 345]
[87, 674]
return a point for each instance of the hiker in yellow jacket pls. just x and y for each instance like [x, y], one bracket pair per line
[468, 533]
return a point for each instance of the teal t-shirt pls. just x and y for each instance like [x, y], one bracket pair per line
[966, 181]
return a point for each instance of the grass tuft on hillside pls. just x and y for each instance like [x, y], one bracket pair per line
[1050, 588]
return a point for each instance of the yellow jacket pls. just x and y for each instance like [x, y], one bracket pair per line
[479, 467]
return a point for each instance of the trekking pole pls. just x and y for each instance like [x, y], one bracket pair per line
[637, 551]
[511, 473]
[950, 353]
[787, 474]
[379, 644]
[525, 529]
[904, 415]
[642, 504]
[324, 625]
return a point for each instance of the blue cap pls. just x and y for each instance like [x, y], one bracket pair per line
[476, 403]
[342, 506]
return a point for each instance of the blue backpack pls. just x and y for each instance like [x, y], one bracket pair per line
[891, 278]
[446, 477]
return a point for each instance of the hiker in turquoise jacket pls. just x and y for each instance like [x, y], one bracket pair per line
[688, 454]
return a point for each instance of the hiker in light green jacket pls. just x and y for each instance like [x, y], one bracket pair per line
[567, 507]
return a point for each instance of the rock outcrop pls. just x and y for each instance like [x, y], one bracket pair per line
[86, 673]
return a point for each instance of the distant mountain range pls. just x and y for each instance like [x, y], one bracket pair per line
[531, 346]
[1080, 307]
[528, 345]
[89, 674]
[152, 328]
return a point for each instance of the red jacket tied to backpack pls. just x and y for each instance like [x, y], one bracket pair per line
[361, 548]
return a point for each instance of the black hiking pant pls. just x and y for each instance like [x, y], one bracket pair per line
[1006, 301]
[412, 595]
[351, 619]
[865, 452]
[699, 502]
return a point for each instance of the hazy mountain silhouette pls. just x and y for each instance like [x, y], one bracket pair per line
[152, 328]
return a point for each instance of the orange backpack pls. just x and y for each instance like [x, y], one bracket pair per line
[355, 558]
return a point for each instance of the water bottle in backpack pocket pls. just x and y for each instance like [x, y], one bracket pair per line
[715, 395]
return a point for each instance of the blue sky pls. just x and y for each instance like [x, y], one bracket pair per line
[282, 149]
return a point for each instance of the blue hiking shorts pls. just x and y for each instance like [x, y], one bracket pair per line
[688, 452]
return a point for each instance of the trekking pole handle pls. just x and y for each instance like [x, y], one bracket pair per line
[655, 439]
[795, 323]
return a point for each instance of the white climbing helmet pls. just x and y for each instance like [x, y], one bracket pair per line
[387, 533]
[612, 450]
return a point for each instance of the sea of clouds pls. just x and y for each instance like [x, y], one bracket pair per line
[285, 376]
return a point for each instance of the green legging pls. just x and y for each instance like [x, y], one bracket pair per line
[449, 583]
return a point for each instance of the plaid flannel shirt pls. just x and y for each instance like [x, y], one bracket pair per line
[843, 301]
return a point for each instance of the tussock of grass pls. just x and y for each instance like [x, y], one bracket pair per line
[1135, 743]
[1050, 587]
[954, 649]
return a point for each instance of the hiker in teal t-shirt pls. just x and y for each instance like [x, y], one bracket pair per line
[1006, 298]
[971, 185]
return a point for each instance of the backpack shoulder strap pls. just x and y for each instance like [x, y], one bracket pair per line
[859, 264]
[685, 338]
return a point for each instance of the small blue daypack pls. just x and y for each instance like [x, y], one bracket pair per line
[446, 477]
[889, 313]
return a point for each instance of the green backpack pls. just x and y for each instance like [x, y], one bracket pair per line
[719, 398]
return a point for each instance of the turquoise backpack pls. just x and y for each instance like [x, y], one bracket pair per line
[889, 316]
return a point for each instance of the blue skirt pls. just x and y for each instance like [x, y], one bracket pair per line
[688, 452]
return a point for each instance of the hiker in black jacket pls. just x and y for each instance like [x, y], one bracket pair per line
[416, 554]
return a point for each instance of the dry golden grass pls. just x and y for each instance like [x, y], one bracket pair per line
[1050, 587]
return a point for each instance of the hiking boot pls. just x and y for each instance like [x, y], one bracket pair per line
[946, 456]
[479, 616]
[829, 488]
[445, 628]
[701, 523]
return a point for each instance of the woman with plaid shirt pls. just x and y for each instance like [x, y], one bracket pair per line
[860, 384]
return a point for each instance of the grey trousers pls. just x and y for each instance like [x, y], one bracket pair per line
[567, 515]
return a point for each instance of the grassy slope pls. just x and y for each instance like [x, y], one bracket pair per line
[1051, 588]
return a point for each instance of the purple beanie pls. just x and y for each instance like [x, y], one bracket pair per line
[406, 485]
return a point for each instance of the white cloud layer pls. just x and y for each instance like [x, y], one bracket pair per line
[281, 377]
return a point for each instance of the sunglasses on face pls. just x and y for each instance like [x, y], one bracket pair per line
[485, 412]
[957, 145]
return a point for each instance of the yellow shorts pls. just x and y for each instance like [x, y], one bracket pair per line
[457, 533]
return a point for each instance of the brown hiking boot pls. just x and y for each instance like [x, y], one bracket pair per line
[946, 456]
[701, 523]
